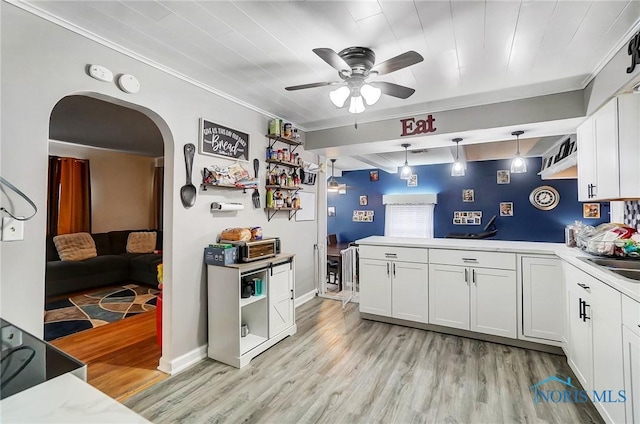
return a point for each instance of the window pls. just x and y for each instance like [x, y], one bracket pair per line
[404, 220]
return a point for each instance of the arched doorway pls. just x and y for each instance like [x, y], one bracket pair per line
[124, 140]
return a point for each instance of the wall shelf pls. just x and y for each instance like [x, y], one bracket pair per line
[271, 212]
[224, 186]
[283, 187]
[282, 139]
[283, 163]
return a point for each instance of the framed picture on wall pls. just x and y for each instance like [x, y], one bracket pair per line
[412, 181]
[363, 200]
[506, 209]
[503, 176]
[331, 210]
[591, 210]
[221, 141]
[468, 195]
[373, 175]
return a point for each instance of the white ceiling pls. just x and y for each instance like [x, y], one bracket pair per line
[475, 51]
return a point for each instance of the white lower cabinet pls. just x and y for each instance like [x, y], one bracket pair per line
[542, 297]
[595, 338]
[473, 298]
[268, 316]
[631, 357]
[394, 282]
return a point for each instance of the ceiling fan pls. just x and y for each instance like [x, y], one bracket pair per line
[354, 66]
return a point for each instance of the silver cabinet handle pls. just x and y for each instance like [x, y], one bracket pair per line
[466, 276]
[474, 260]
[390, 255]
[584, 286]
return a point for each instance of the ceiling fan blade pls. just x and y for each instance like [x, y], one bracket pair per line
[312, 85]
[394, 90]
[332, 58]
[399, 62]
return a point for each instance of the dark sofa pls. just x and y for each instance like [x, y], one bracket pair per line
[113, 265]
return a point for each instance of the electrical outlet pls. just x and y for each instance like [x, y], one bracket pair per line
[12, 229]
[11, 337]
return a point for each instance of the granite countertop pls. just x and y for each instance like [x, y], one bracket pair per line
[570, 255]
[65, 399]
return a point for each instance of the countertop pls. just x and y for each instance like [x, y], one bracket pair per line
[569, 255]
[65, 399]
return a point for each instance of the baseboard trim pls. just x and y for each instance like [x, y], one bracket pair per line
[183, 362]
[305, 298]
[465, 333]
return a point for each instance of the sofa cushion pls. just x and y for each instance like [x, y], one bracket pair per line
[103, 243]
[118, 241]
[141, 242]
[64, 277]
[75, 247]
[144, 269]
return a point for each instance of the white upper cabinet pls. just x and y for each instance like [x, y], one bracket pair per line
[608, 151]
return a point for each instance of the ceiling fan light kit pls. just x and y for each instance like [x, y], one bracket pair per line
[354, 66]
[457, 169]
[518, 164]
[405, 172]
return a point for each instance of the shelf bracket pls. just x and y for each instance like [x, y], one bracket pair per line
[291, 215]
[271, 215]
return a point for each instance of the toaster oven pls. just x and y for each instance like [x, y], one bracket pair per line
[254, 250]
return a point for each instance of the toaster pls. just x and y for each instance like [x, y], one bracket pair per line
[254, 250]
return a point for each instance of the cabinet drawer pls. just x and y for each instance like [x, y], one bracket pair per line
[473, 258]
[631, 314]
[604, 298]
[404, 254]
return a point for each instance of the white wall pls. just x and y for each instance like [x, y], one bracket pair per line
[121, 186]
[29, 93]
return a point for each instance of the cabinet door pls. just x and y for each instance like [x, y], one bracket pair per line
[449, 296]
[409, 291]
[493, 302]
[542, 294]
[605, 127]
[586, 160]
[280, 296]
[631, 353]
[375, 287]
[580, 339]
[608, 373]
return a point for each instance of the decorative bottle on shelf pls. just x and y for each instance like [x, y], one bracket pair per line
[283, 178]
[269, 198]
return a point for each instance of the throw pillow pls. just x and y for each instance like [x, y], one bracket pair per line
[141, 242]
[75, 247]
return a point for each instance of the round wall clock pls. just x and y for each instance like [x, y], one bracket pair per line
[544, 197]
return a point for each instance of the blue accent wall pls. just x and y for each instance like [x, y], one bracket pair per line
[527, 224]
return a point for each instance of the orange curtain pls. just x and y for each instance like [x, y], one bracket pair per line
[74, 204]
[158, 193]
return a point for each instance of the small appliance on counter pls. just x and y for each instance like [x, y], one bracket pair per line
[253, 250]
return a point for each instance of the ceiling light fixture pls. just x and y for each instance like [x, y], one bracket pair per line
[518, 164]
[457, 169]
[360, 94]
[405, 173]
[333, 185]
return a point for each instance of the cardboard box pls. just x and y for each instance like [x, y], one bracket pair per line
[220, 256]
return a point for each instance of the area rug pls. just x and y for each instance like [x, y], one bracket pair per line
[97, 308]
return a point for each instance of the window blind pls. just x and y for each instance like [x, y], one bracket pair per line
[404, 220]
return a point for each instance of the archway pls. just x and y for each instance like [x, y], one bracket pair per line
[104, 122]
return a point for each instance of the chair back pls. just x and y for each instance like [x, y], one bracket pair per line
[332, 240]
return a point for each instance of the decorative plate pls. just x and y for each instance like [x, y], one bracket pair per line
[544, 198]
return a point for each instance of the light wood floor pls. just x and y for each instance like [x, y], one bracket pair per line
[121, 357]
[339, 368]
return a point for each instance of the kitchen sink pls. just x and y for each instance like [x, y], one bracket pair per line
[627, 268]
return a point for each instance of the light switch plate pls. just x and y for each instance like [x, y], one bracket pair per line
[12, 229]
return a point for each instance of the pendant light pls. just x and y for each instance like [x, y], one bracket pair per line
[333, 185]
[405, 173]
[457, 169]
[518, 164]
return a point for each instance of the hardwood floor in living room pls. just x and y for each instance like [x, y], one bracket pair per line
[121, 357]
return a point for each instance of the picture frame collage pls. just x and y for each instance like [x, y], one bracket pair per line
[467, 217]
[362, 216]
